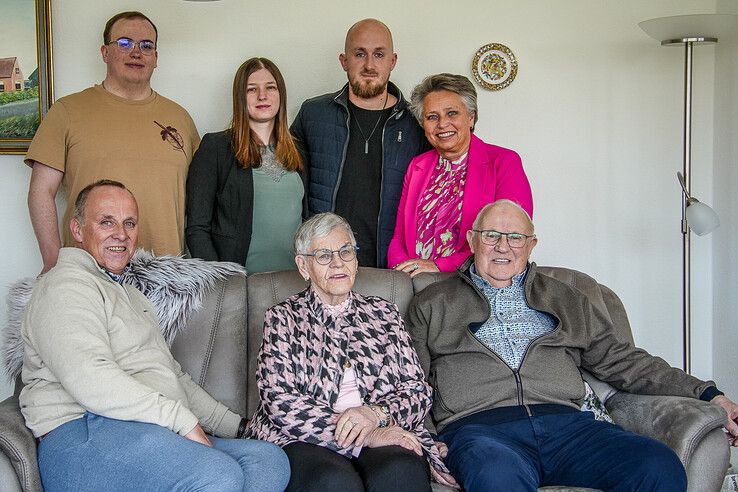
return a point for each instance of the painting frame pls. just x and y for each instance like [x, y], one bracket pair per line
[45, 75]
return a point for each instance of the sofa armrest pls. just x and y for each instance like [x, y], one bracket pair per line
[690, 427]
[19, 445]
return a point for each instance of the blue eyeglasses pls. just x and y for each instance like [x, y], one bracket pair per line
[126, 45]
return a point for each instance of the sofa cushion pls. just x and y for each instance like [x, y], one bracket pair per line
[213, 346]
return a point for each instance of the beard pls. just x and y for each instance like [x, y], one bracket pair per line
[367, 90]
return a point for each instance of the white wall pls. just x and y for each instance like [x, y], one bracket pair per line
[725, 248]
[595, 112]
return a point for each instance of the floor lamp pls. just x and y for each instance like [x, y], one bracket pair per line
[688, 31]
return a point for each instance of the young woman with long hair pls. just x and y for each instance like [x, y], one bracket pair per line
[244, 187]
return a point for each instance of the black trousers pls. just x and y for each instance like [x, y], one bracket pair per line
[385, 469]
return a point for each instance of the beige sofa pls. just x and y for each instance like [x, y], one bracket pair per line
[219, 346]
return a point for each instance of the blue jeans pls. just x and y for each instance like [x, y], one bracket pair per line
[98, 453]
[571, 449]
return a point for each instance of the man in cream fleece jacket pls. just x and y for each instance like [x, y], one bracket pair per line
[106, 400]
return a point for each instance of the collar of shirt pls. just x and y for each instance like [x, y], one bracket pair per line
[323, 311]
[449, 165]
[117, 277]
[517, 281]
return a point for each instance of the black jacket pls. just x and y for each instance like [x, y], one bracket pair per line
[220, 202]
[321, 132]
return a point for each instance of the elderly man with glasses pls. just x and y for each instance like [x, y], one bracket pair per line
[122, 130]
[503, 343]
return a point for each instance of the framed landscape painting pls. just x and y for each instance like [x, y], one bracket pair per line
[26, 90]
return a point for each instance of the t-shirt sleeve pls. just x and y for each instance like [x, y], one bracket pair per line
[49, 145]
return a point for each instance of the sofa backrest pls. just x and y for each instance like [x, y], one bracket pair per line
[213, 348]
[221, 342]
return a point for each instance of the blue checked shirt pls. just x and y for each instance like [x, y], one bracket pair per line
[513, 325]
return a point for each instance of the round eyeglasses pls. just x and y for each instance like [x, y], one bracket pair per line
[491, 237]
[324, 256]
[126, 45]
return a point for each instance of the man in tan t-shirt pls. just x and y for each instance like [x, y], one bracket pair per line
[120, 130]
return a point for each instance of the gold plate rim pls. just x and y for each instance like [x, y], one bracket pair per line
[484, 50]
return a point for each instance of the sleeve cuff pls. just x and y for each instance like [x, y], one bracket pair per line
[710, 393]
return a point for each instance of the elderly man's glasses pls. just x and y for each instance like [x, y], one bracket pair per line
[126, 45]
[514, 239]
[324, 256]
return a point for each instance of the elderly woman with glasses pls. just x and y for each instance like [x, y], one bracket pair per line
[340, 384]
[446, 187]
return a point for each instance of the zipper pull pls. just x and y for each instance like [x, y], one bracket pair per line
[399, 136]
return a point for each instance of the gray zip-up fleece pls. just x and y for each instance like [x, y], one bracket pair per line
[592, 334]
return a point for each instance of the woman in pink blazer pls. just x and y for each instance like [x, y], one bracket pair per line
[445, 188]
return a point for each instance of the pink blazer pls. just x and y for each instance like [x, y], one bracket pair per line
[493, 173]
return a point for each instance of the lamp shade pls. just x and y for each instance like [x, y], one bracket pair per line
[721, 26]
[701, 218]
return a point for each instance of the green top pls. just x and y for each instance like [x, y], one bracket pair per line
[276, 216]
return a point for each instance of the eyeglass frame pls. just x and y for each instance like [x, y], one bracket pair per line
[116, 42]
[507, 237]
[346, 247]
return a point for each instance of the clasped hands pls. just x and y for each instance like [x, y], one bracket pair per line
[359, 426]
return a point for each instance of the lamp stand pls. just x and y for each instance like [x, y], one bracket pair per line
[686, 243]
[690, 30]
[687, 170]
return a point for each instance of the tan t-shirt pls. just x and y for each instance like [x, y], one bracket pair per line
[94, 135]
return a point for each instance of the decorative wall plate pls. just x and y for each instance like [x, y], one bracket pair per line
[494, 66]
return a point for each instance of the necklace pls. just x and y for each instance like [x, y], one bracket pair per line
[366, 139]
[270, 165]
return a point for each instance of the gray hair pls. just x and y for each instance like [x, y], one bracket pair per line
[317, 226]
[457, 84]
[81, 201]
[503, 201]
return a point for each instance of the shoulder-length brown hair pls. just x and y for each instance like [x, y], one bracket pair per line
[245, 142]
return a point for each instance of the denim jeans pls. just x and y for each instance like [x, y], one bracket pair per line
[570, 449]
[98, 453]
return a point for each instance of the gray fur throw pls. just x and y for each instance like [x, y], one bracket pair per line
[174, 285]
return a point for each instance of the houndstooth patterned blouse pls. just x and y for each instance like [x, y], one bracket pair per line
[301, 363]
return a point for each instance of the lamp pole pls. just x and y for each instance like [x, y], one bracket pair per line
[686, 245]
[687, 169]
